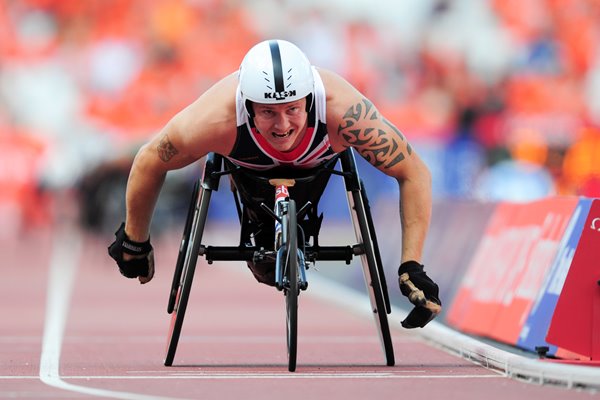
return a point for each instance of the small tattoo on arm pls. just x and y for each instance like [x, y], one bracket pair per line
[165, 149]
[381, 147]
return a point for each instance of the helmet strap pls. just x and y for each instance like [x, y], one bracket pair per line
[249, 108]
[309, 102]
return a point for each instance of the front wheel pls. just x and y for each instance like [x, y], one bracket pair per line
[290, 241]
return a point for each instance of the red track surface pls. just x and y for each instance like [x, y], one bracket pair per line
[107, 338]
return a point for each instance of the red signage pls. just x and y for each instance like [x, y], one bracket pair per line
[508, 269]
[575, 324]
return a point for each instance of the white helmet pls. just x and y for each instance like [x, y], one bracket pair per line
[273, 72]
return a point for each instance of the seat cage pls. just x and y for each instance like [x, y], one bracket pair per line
[216, 167]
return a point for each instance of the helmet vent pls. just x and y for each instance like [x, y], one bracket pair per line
[266, 78]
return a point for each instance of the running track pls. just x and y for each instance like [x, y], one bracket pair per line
[73, 328]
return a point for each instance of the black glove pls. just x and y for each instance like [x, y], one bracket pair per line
[421, 291]
[142, 266]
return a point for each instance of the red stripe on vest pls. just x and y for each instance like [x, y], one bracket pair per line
[289, 156]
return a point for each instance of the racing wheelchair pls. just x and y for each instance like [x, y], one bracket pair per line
[294, 246]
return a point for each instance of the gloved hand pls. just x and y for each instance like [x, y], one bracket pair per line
[421, 291]
[141, 263]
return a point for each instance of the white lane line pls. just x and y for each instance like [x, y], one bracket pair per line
[295, 375]
[62, 271]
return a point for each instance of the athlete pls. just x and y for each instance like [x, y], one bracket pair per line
[280, 112]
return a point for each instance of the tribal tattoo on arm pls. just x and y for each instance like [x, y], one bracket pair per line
[165, 149]
[381, 147]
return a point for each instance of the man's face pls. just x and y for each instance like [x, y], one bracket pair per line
[282, 125]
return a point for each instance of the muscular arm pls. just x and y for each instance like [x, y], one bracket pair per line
[207, 125]
[358, 124]
[146, 178]
[384, 146]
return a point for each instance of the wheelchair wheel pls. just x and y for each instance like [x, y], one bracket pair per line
[291, 289]
[186, 274]
[381, 273]
[371, 259]
[373, 273]
[185, 240]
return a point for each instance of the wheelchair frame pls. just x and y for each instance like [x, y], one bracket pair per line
[191, 248]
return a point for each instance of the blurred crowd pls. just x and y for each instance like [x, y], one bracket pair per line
[501, 97]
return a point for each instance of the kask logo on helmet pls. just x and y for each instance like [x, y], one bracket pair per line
[280, 95]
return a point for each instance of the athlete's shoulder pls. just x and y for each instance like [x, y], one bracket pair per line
[209, 123]
[221, 93]
[217, 103]
[333, 82]
[341, 96]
